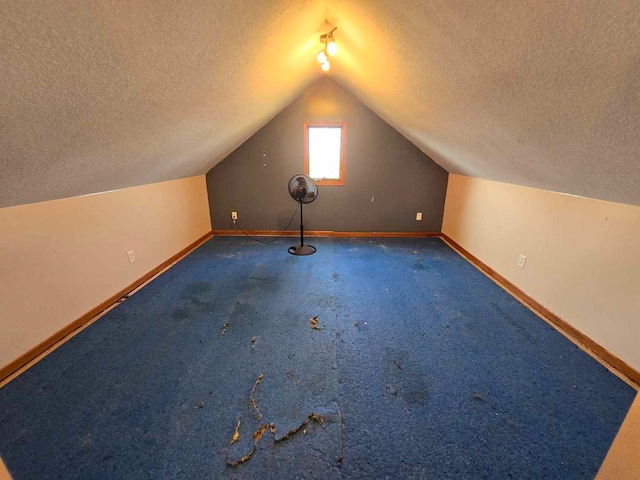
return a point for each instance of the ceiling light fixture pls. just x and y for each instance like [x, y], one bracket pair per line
[330, 49]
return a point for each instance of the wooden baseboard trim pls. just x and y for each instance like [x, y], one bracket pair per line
[387, 234]
[271, 233]
[569, 331]
[27, 357]
[322, 233]
[586, 343]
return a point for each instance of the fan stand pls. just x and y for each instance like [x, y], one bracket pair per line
[302, 249]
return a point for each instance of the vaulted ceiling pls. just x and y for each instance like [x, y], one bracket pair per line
[97, 95]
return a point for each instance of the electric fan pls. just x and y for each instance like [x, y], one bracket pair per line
[303, 190]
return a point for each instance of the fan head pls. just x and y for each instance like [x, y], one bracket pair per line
[303, 189]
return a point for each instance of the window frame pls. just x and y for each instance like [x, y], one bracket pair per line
[343, 150]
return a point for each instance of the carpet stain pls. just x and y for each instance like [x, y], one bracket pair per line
[240, 313]
[514, 323]
[196, 298]
[181, 313]
[196, 288]
[418, 265]
[403, 378]
[318, 384]
[264, 284]
[193, 306]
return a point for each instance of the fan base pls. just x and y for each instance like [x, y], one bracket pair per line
[302, 250]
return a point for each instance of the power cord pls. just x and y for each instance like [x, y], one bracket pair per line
[235, 222]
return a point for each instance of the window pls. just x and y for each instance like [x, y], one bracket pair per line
[324, 152]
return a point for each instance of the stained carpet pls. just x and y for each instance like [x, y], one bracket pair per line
[418, 367]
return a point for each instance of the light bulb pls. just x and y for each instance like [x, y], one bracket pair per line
[332, 48]
[322, 57]
[325, 66]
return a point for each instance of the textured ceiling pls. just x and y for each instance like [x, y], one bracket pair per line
[98, 95]
[538, 93]
[105, 94]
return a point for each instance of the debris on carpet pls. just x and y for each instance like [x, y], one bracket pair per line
[479, 397]
[293, 376]
[252, 400]
[340, 455]
[257, 435]
[224, 329]
[253, 342]
[199, 404]
[313, 323]
[236, 434]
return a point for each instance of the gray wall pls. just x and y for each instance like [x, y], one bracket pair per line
[380, 163]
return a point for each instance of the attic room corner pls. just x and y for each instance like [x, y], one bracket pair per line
[62, 258]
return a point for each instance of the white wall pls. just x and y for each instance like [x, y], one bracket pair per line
[583, 255]
[59, 259]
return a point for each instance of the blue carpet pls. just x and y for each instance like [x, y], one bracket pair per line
[420, 367]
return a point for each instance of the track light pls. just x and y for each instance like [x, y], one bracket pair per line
[330, 49]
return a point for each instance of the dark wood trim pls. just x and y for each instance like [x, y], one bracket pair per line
[25, 358]
[387, 234]
[565, 328]
[343, 151]
[322, 233]
[272, 233]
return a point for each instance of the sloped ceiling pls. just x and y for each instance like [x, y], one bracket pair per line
[98, 95]
[538, 93]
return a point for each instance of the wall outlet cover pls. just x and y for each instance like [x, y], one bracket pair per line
[522, 261]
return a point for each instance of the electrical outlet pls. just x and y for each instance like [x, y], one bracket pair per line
[419, 216]
[522, 261]
[131, 255]
[234, 215]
